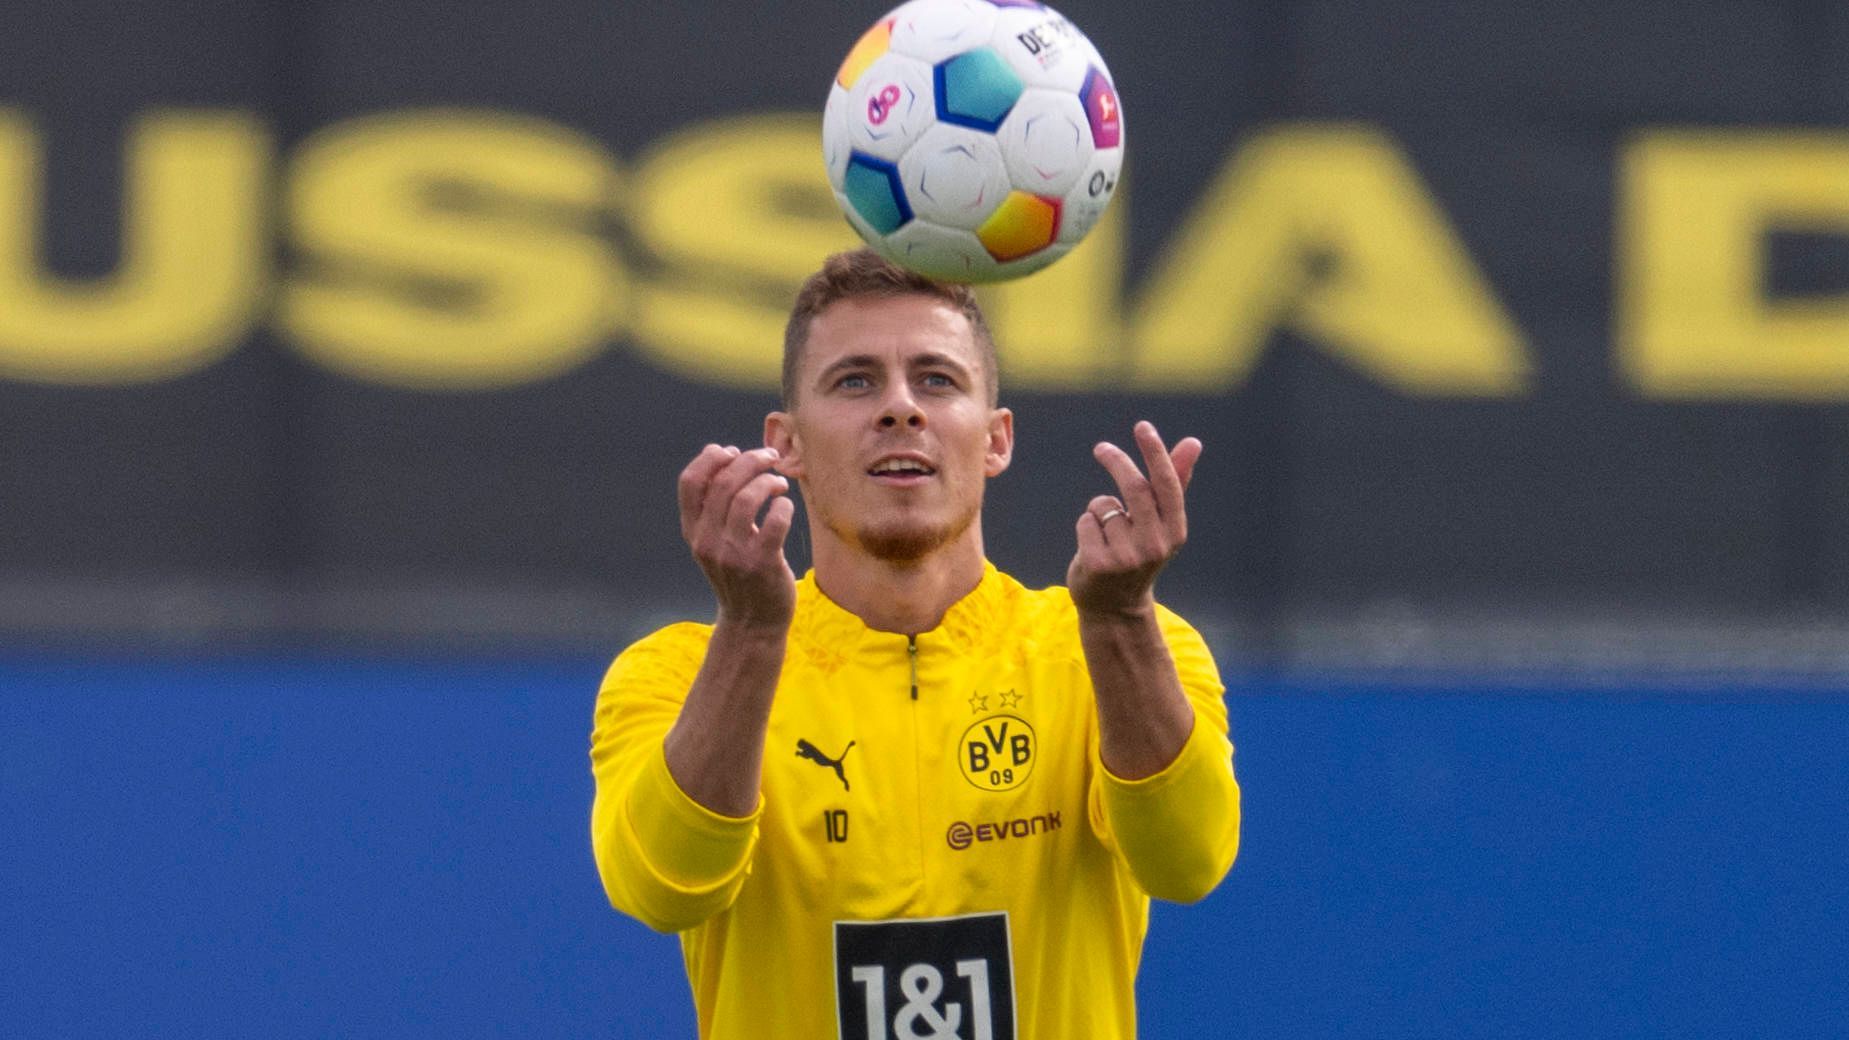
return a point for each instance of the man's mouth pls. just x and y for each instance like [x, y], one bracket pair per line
[901, 470]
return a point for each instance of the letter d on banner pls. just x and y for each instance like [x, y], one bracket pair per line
[1696, 210]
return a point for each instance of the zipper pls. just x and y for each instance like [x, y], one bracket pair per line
[918, 770]
[911, 651]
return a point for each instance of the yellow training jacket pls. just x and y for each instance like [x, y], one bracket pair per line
[939, 851]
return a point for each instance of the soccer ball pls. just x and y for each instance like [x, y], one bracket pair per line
[973, 140]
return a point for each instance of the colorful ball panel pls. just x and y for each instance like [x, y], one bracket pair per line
[873, 190]
[1022, 225]
[1101, 109]
[976, 89]
[1033, 262]
[860, 227]
[869, 47]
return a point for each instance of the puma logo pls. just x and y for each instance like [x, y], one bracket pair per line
[804, 749]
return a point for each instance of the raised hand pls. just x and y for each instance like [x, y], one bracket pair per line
[1126, 539]
[721, 493]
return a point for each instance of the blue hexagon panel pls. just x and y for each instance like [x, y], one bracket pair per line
[872, 187]
[976, 89]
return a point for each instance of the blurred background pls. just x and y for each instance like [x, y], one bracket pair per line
[348, 352]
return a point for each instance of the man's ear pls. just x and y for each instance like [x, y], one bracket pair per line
[1001, 442]
[780, 433]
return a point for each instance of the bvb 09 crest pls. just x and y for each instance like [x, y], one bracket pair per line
[997, 753]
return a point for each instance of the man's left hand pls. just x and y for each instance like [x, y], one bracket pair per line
[1126, 539]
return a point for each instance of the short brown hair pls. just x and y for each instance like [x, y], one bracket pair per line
[863, 273]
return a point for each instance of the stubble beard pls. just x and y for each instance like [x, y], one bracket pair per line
[904, 541]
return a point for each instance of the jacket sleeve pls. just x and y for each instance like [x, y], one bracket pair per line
[1177, 830]
[664, 859]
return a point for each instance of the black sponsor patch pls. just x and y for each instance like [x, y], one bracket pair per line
[948, 978]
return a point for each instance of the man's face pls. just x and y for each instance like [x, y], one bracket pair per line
[891, 434]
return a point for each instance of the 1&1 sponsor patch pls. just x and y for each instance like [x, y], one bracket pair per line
[949, 978]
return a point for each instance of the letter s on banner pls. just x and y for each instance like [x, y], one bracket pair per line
[492, 216]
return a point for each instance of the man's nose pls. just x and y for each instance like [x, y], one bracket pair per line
[901, 408]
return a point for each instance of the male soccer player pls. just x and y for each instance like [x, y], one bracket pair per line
[905, 796]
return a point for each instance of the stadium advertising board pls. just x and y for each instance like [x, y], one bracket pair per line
[1487, 319]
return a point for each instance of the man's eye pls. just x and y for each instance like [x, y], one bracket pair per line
[938, 379]
[853, 382]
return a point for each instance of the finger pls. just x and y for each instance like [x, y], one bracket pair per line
[1163, 480]
[735, 470]
[1185, 455]
[1106, 510]
[741, 516]
[693, 483]
[1106, 539]
[1132, 486]
[715, 510]
[1092, 549]
[1102, 504]
[776, 525]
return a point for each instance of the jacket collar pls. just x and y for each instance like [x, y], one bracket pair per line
[828, 634]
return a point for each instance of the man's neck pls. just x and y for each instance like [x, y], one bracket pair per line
[907, 598]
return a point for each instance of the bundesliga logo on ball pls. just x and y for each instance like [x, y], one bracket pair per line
[973, 140]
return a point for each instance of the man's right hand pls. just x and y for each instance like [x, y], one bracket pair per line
[721, 493]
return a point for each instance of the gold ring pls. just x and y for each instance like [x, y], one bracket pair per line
[1112, 514]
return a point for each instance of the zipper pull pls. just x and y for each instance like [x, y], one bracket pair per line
[911, 650]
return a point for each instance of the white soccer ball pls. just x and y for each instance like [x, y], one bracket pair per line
[973, 140]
